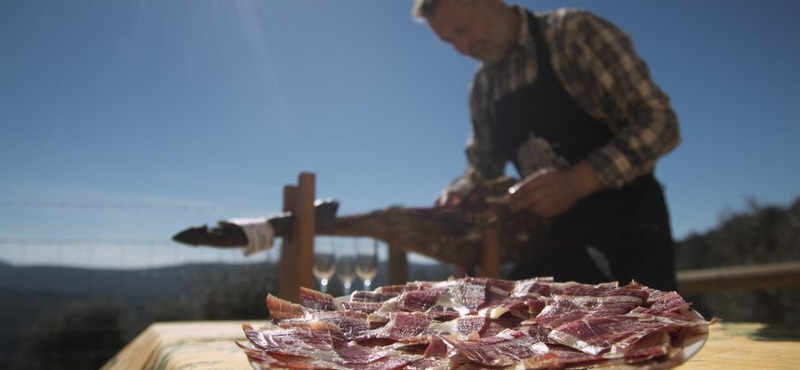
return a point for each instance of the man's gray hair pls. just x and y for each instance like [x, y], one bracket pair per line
[422, 10]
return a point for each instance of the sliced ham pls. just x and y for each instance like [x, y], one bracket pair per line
[478, 323]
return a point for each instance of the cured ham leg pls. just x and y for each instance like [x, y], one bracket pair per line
[451, 234]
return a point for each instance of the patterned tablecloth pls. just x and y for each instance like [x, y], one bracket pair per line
[211, 345]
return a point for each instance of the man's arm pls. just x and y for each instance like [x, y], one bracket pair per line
[618, 90]
[483, 161]
[613, 84]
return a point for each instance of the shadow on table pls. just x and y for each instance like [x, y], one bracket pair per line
[776, 333]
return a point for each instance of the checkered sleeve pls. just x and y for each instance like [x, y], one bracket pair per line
[623, 93]
[483, 161]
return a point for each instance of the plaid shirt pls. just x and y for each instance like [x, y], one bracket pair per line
[597, 65]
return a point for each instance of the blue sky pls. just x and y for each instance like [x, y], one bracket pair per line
[123, 122]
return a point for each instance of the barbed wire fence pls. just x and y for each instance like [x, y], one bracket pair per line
[99, 292]
[106, 205]
[91, 242]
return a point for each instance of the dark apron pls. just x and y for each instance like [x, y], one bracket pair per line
[620, 234]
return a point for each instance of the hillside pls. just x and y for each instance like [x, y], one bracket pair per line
[760, 234]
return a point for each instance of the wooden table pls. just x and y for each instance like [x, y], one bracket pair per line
[211, 345]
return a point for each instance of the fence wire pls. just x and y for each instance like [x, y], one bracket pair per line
[127, 206]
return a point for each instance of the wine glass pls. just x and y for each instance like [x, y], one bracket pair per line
[346, 267]
[367, 261]
[324, 263]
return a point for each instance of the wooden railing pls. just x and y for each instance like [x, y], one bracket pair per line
[750, 277]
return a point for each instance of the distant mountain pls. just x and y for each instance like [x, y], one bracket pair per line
[29, 294]
[151, 283]
[83, 282]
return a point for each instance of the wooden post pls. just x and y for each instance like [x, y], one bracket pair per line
[490, 254]
[288, 287]
[303, 233]
[750, 277]
[398, 266]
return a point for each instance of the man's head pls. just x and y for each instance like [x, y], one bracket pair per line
[485, 30]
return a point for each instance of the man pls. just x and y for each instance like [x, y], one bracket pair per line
[565, 98]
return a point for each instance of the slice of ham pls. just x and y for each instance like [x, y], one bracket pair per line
[663, 303]
[366, 307]
[593, 335]
[419, 300]
[507, 348]
[318, 301]
[318, 345]
[521, 307]
[402, 325]
[351, 324]
[367, 296]
[280, 309]
[578, 301]
[536, 286]
[615, 334]
[462, 327]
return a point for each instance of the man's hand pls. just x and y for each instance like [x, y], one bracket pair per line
[453, 196]
[550, 192]
[449, 198]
